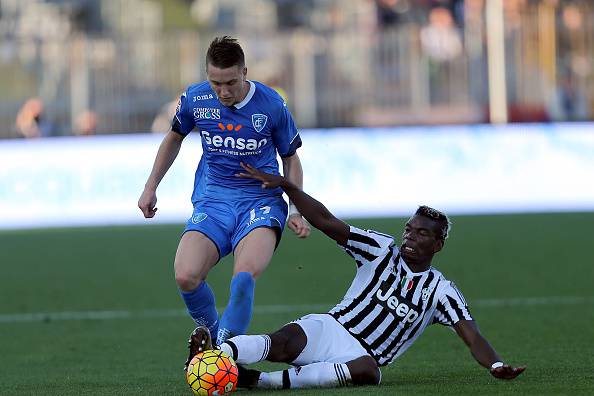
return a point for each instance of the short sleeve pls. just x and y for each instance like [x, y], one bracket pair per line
[183, 121]
[285, 134]
[367, 245]
[451, 306]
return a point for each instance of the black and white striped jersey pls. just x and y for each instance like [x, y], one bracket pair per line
[388, 306]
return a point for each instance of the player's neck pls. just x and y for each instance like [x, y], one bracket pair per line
[244, 91]
[419, 267]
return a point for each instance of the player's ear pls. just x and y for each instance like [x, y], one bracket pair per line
[244, 71]
[438, 245]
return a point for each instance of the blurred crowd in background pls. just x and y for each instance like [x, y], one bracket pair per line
[89, 67]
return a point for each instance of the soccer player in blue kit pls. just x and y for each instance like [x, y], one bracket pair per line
[239, 121]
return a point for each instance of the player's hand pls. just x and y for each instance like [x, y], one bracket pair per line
[298, 225]
[268, 180]
[507, 372]
[147, 203]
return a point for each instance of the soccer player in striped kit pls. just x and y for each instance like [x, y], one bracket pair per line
[395, 295]
[238, 120]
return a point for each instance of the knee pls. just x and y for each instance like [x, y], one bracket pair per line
[372, 376]
[248, 268]
[186, 281]
[278, 348]
[189, 275]
[284, 348]
[364, 371]
[287, 343]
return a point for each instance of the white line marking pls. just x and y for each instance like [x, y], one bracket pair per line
[568, 300]
[264, 310]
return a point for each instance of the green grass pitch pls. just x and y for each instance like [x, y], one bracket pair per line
[106, 319]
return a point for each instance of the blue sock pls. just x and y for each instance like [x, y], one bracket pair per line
[237, 315]
[201, 307]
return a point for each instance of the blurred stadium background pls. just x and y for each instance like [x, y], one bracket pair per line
[113, 66]
[482, 108]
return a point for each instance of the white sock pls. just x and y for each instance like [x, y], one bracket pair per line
[321, 374]
[247, 349]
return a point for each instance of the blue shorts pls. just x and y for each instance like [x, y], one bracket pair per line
[227, 222]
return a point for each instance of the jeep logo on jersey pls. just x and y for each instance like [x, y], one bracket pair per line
[259, 121]
[207, 113]
[397, 305]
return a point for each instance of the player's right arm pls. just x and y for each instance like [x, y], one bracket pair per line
[310, 208]
[452, 311]
[166, 154]
[483, 352]
[181, 125]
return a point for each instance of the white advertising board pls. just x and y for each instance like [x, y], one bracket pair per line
[73, 181]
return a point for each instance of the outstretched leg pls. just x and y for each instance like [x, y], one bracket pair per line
[283, 346]
[360, 371]
[321, 374]
[252, 256]
[286, 345]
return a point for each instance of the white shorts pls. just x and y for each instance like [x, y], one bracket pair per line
[327, 341]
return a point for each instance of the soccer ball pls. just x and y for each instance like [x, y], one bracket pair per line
[212, 372]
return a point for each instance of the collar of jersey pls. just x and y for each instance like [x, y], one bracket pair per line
[407, 268]
[247, 98]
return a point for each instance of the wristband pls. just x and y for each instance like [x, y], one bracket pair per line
[293, 210]
[496, 365]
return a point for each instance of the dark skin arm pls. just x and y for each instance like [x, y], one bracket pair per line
[483, 352]
[311, 209]
[321, 218]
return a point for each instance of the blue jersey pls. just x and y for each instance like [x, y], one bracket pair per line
[252, 131]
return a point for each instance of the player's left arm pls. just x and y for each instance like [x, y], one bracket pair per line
[293, 172]
[483, 352]
[287, 140]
